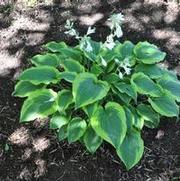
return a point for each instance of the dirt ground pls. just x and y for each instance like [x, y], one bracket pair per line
[31, 152]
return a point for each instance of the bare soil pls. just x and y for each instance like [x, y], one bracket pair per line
[31, 152]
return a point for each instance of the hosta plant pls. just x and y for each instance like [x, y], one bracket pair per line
[100, 91]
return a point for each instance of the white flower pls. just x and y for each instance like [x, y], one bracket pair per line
[88, 47]
[69, 24]
[104, 63]
[116, 19]
[70, 30]
[127, 70]
[90, 31]
[118, 32]
[117, 61]
[109, 43]
[120, 75]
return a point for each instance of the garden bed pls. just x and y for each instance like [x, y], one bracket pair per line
[29, 152]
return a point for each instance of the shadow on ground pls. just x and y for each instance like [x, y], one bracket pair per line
[34, 152]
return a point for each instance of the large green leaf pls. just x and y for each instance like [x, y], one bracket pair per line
[55, 47]
[172, 86]
[148, 53]
[40, 105]
[144, 85]
[87, 89]
[126, 88]
[24, 88]
[153, 71]
[76, 129]
[57, 121]
[110, 123]
[46, 59]
[64, 99]
[68, 76]
[165, 106]
[131, 150]
[151, 118]
[72, 66]
[91, 140]
[38, 75]
[125, 50]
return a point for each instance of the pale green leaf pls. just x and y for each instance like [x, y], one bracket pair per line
[131, 150]
[148, 53]
[64, 99]
[46, 59]
[71, 65]
[151, 118]
[91, 140]
[24, 88]
[144, 85]
[165, 106]
[110, 123]
[40, 105]
[88, 89]
[76, 128]
[39, 75]
[57, 121]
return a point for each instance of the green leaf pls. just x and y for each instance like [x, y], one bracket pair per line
[131, 150]
[87, 89]
[76, 129]
[111, 78]
[129, 118]
[172, 86]
[39, 75]
[144, 85]
[57, 121]
[91, 140]
[149, 115]
[55, 47]
[68, 76]
[72, 66]
[92, 55]
[64, 99]
[153, 71]
[90, 109]
[40, 105]
[123, 96]
[138, 119]
[148, 53]
[96, 69]
[165, 106]
[169, 74]
[24, 88]
[110, 123]
[106, 54]
[72, 53]
[62, 133]
[125, 51]
[47, 59]
[126, 88]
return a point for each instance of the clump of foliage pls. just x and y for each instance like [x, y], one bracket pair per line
[97, 92]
